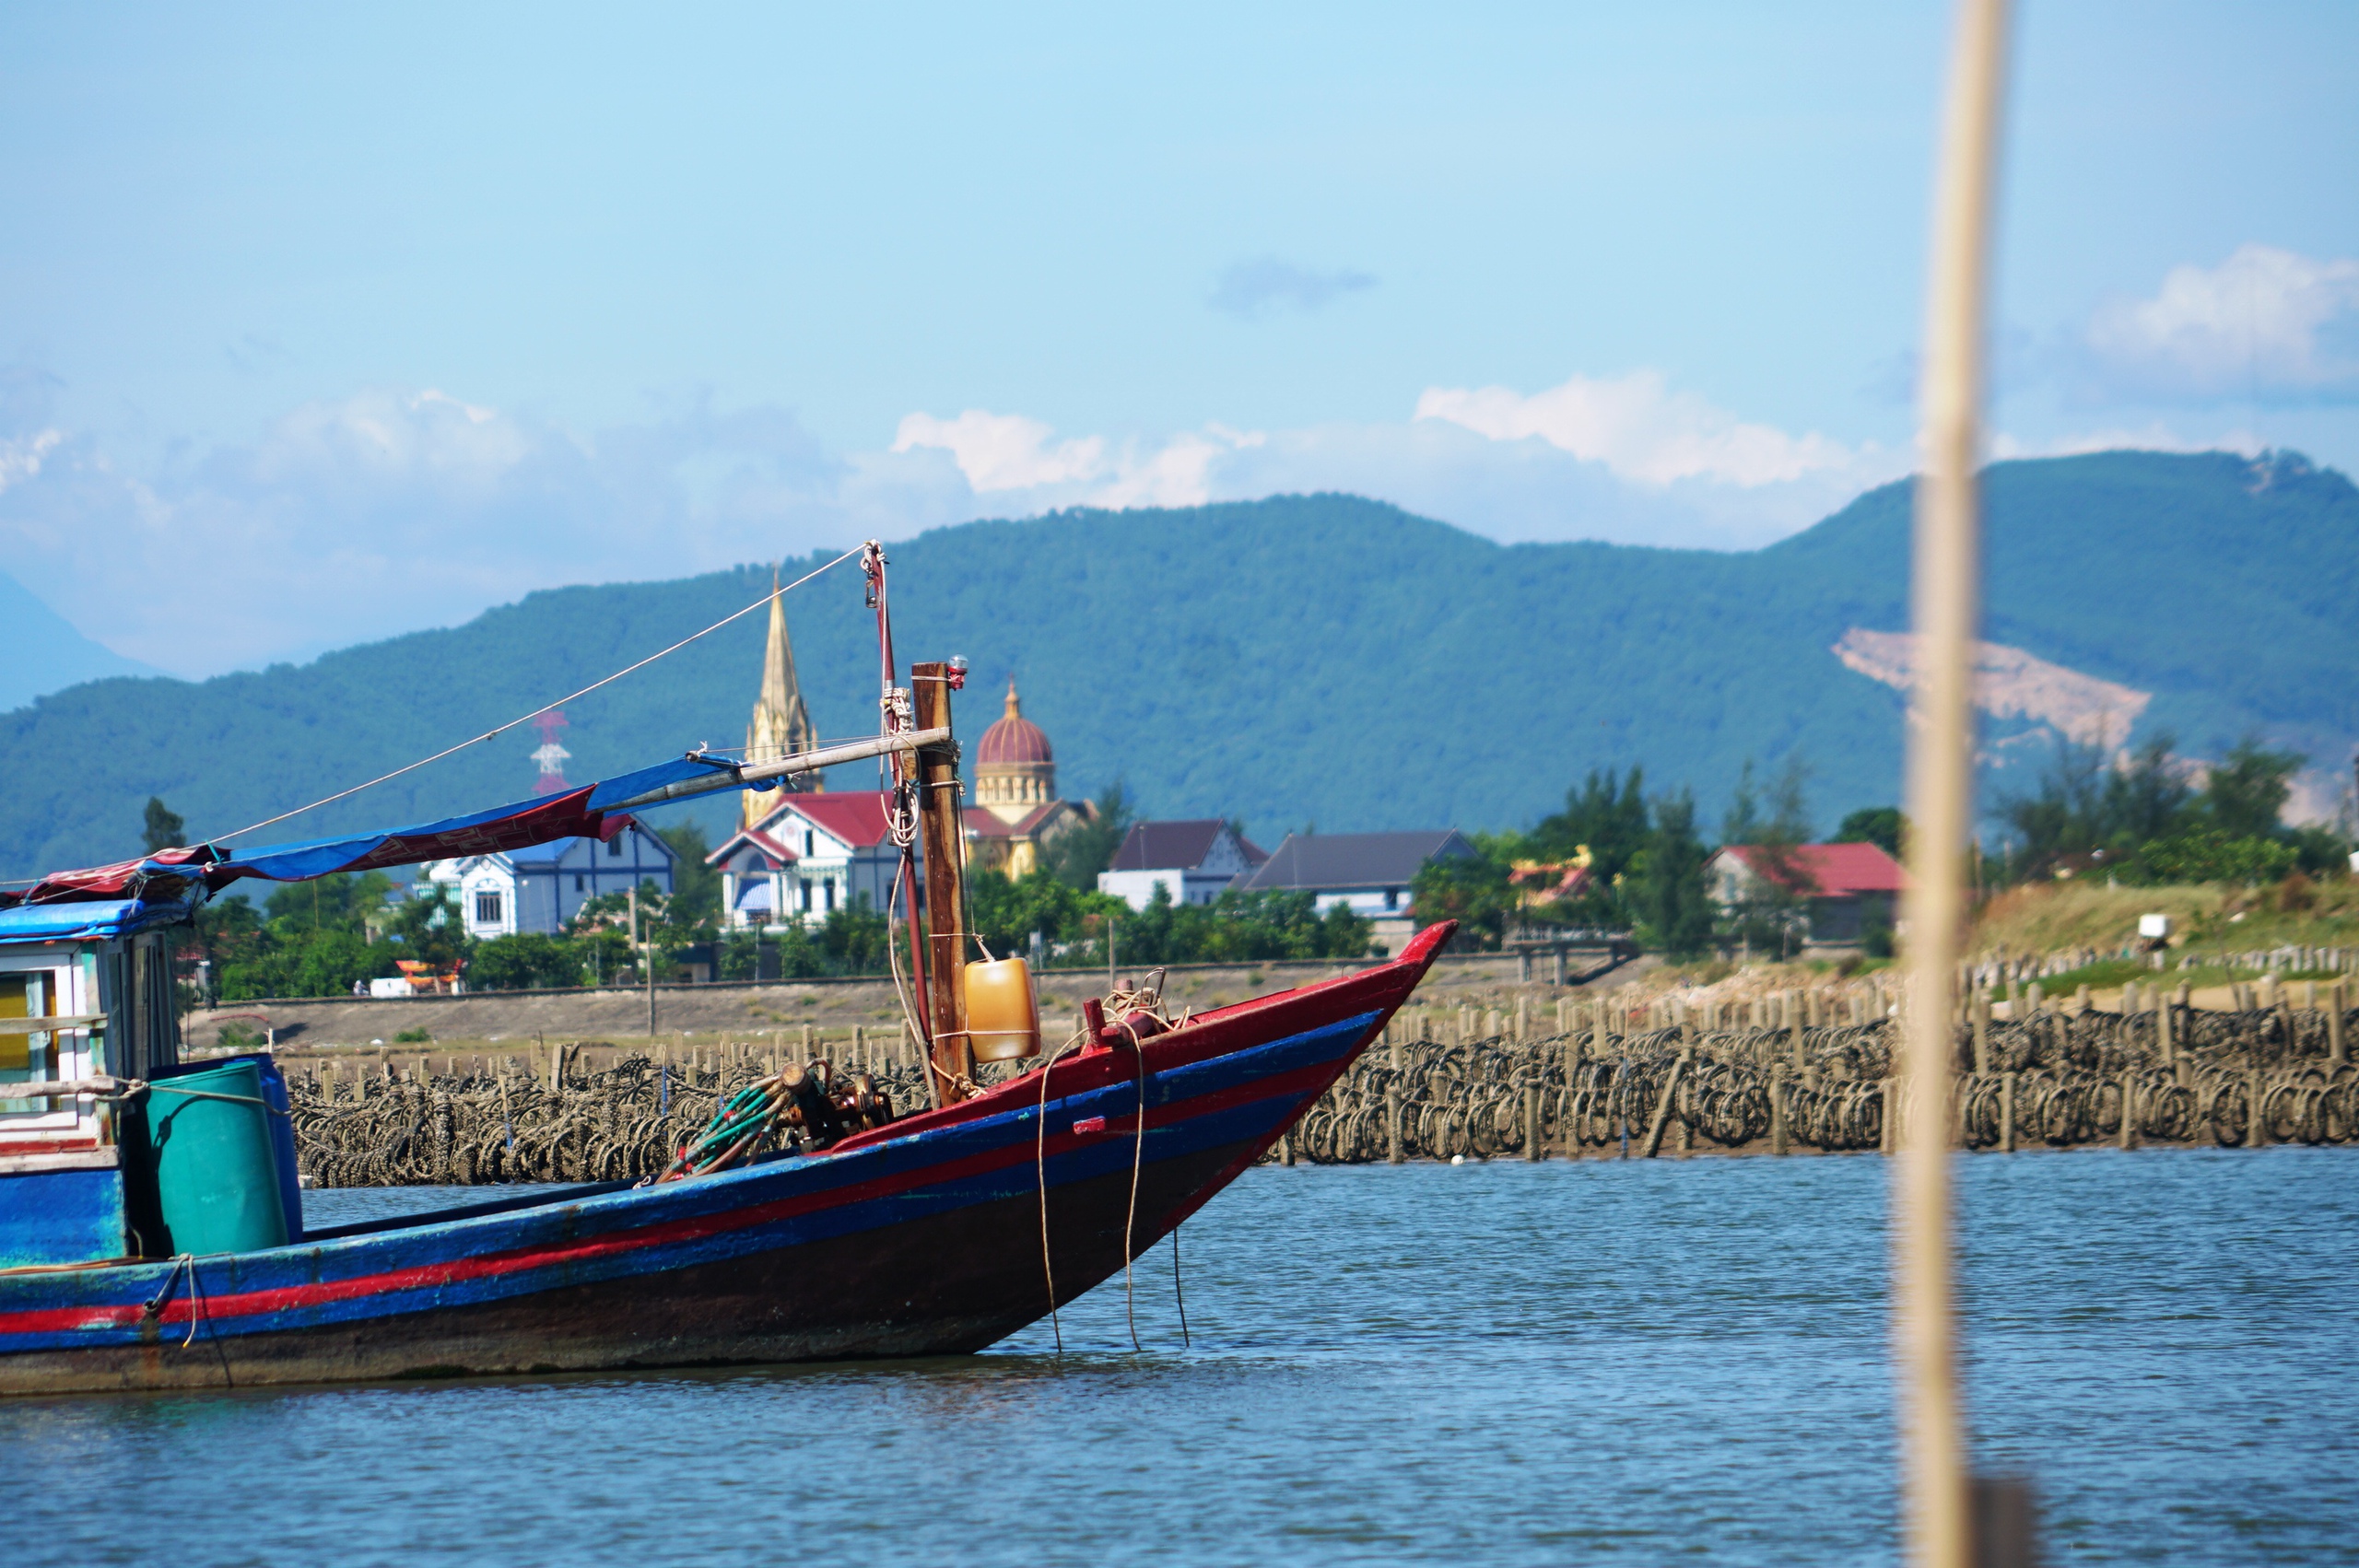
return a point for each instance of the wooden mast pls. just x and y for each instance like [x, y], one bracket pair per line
[942, 827]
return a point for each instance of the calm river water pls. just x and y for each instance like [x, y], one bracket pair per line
[1489, 1363]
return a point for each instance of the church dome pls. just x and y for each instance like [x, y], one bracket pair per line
[1014, 740]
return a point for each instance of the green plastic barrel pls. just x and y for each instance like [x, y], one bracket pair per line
[217, 1171]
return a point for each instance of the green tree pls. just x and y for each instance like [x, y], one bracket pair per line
[695, 888]
[427, 928]
[526, 961]
[1606, 816]
[2063, 815]
[1474, 890]
[1239, 928]
[311, 939]
[2248, 788]
[1005, 913]
[1773, 820]
[1881, 825]
[164, 829]
[2140, 817]
[2206, 854]
[1668, 890]
[2087, 807]
[1076, 856]
[2147, 797]
[854, 938]
[224, 932]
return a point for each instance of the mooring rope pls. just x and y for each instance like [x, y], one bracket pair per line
[1040, 1169]
[154, 1307]
[1138, 1157]
[1178, 1294]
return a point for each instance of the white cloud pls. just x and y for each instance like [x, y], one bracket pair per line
[1008, 454]
[2152, 437]
[1003, 451]
[1641, 429]
[2263, 320]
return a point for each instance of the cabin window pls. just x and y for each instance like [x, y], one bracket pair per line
[831, 895]
[806, 842]
[487, 908]
[805, 883]
[25, 995]
[615, 847]
[577, 882]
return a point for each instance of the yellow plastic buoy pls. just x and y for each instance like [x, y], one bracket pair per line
[1003, 1016]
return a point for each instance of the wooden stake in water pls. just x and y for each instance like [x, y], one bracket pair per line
[1945, 592]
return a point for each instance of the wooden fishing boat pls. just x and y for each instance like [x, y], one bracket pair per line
[935, 1232]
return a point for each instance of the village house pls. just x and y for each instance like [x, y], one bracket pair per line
[1193, 863]
[1844, 891]
[815, 853]
[541, 888]
[1370, 873]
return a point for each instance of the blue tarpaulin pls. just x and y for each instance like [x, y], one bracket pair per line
[183, 876]
[89, 920]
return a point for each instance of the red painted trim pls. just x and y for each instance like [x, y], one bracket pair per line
[41, 1146]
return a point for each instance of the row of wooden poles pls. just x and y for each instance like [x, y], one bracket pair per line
[1822, 1007]
[554, 1118]
[2016, 969]
[2257, 1079]
[857, 1049]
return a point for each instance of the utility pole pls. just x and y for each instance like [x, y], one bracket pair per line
[646, 952]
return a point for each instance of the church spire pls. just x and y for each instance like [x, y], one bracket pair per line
[782, 724]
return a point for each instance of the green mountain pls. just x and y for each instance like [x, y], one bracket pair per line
[1306, 660]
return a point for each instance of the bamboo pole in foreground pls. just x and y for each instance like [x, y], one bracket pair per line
[1939, 783]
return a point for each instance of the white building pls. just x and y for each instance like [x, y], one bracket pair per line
[1194, 862]
[811, 855]
[541, 888]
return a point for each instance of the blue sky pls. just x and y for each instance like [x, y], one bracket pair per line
[351, 322]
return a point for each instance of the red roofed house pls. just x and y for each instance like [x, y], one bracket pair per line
[809, 855]
[1850, 888]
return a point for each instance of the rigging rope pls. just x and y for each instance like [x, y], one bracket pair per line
[528, 718]
[1040, 1171]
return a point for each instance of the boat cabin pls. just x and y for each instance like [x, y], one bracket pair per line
[86, 992]
[126, 1151]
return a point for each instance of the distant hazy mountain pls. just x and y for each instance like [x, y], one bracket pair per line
[1317, 660]
[45, 653]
